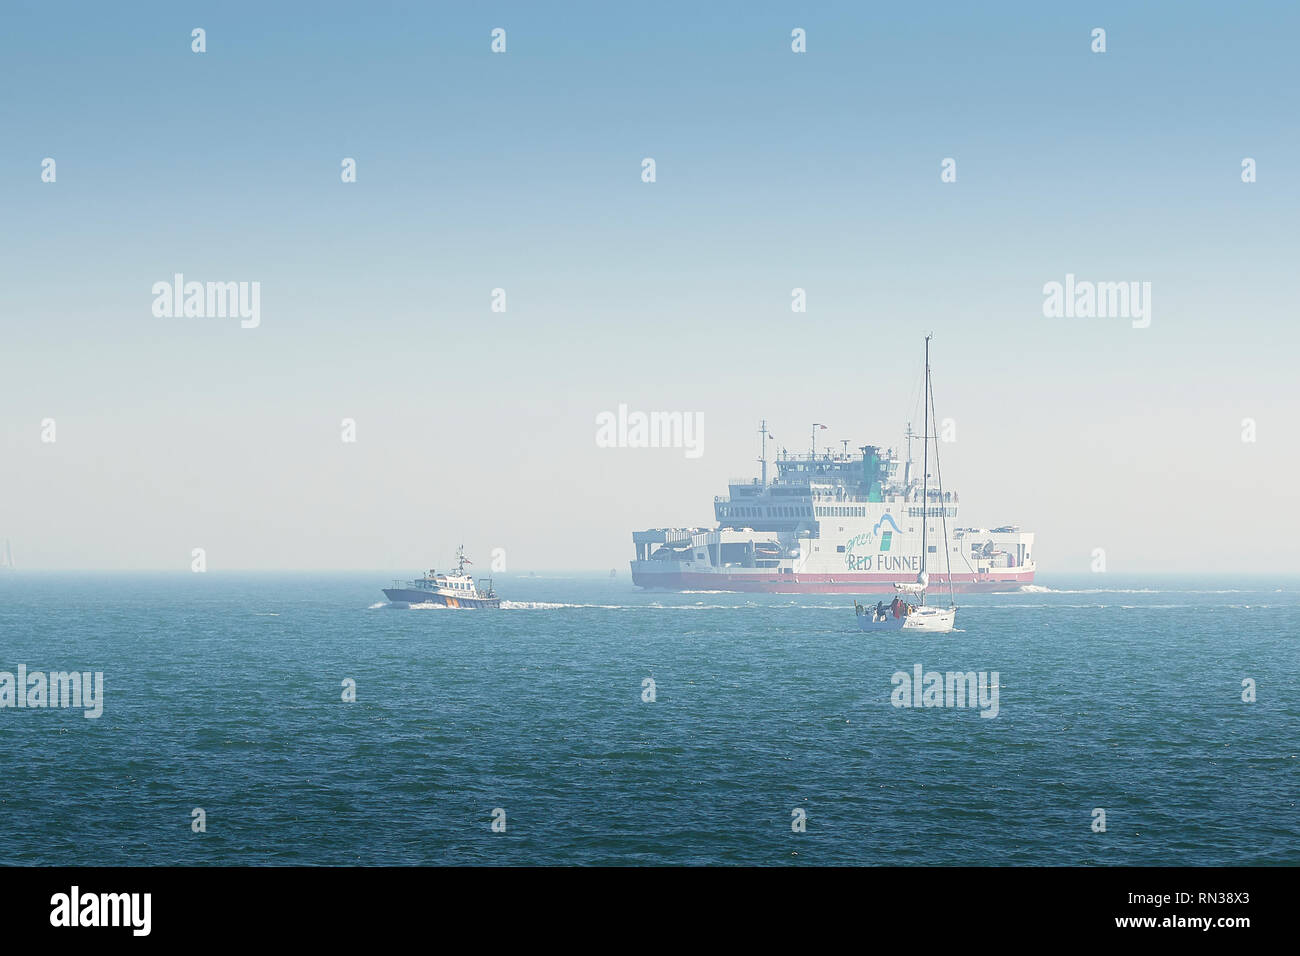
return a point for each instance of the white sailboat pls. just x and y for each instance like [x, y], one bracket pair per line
[901, 614]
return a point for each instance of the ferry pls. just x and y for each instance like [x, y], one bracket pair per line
[453, 589]
[833, 523]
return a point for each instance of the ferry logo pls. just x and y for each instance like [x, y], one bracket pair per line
[888, 535]
[865, 542]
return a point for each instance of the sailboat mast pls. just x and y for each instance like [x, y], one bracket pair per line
[925, 460]
[938, 470]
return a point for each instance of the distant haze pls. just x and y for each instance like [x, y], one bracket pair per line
[522, 171]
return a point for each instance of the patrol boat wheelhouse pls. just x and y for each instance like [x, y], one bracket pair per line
[455, 589]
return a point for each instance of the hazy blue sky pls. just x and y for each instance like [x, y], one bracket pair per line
[522, 171]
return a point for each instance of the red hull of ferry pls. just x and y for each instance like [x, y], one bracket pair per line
[823, 583]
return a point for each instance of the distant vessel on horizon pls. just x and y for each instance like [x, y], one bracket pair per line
[454, 589]
[7, 558]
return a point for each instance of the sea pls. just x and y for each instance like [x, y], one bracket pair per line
[298, 718]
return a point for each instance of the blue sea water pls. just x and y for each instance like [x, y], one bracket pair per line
[224, 691]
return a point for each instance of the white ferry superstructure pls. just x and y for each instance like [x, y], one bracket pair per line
[831, 523]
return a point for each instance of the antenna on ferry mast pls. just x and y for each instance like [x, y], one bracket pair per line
[816, 425]
[907, 469]
[845, 443]
[763, 459]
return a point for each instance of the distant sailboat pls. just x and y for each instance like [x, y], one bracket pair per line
[899, 614]
[7, 559]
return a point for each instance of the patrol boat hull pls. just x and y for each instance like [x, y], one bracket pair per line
[414, 596]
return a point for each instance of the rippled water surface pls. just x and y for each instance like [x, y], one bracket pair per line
[224, 692]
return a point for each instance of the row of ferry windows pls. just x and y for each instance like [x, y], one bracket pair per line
[779, 511]
[793, 511]
[837, 511]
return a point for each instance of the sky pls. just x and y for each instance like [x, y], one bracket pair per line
[522, 171]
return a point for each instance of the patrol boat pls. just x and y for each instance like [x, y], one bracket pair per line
[454, 589]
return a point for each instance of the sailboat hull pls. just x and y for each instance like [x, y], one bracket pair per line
[936, 620]
[868, 622]
[868, 625]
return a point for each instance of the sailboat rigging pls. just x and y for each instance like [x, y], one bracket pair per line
[899, 614]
